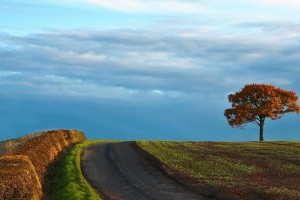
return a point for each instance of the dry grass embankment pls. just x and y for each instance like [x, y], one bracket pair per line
[8, 146]
[22, 171]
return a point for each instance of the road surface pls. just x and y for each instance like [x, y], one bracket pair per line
[119, 172]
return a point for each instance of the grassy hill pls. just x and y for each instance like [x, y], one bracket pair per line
[251, 170]
[218, 170]
[246, 170]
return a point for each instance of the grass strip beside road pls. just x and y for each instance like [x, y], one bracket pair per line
[67, 181]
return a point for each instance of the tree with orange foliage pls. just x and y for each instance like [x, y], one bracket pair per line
[256, 102]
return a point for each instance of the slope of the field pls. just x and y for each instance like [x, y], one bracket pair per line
[177, 170]
[253, 170]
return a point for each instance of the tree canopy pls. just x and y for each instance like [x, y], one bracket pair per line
[256, 102]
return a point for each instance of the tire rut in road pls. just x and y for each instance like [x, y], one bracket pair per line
[118, 171]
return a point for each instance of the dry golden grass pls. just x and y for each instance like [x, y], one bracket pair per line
[8, 146]
[23, 169]
[19, 179]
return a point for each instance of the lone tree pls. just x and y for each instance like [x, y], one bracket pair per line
[256, 102]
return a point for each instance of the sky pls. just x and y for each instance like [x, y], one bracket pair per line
[144, 69]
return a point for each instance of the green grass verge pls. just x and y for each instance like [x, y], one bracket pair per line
[67, 181]
[252, 170]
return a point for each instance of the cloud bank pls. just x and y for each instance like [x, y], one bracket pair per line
[149, 6]
[126, 63]
[183, 6]
[168, 80]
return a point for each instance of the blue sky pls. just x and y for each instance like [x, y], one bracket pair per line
[141, 69]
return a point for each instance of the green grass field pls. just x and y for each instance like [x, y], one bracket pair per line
[67, 181]
[253, 170]
[250, 170]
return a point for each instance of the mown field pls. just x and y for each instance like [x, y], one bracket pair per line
[253, 170]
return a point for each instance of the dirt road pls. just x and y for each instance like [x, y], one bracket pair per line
[118, 171]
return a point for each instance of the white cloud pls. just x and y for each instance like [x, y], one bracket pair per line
[137, 64]
[8, 73]
[285, 3]
[157, 92]
[187, 6]
[176, 6]
[121, 5]
[76, 57]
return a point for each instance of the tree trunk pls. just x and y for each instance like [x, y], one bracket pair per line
[261, 129]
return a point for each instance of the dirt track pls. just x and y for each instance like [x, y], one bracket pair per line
[118, 171]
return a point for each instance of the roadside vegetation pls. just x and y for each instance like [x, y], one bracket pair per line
[266, 170]
[23, 170]
[66, 180]
[8, 146]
